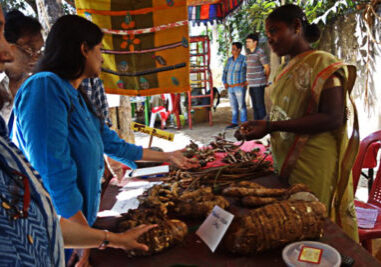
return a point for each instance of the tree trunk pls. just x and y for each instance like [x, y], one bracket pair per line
[275, 61]
[48, 12]
[121, 119]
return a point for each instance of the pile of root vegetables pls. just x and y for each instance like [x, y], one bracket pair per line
[168, 233]
[196, 204]
[253, 195]
[280, 216]
[276, 216]
[220, 177]
[221, 145]
[162, 205]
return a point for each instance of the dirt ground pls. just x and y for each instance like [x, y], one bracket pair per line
[201, 132]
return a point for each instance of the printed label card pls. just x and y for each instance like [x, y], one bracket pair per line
[214, 227]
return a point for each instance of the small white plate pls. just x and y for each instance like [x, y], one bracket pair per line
[329, 258]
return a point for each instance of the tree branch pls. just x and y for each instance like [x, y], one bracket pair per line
[33, 5]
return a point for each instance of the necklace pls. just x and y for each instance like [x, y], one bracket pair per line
[12, 209]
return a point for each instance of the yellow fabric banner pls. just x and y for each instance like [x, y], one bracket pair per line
[145, 46]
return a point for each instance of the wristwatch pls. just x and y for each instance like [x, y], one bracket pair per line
[105, 241]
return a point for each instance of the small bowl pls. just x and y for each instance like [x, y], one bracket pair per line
[330, 256]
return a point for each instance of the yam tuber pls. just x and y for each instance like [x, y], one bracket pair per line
[249, 184]
[274, 225]
[198, 204]
[263, 192]
[168, 232]
[237, 191]
[251, 201]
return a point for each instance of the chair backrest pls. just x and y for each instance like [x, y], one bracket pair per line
[375, 192]
[364, 145]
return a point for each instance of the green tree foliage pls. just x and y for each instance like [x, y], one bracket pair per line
[252, 15]
[23, 5]
[18, 4]
[258, 12]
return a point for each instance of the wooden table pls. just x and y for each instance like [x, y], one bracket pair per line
[193, 252]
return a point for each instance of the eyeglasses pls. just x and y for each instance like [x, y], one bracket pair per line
[30, 51]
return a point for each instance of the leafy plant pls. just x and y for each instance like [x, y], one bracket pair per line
[258, 12]
[17, 4]
[252, 15]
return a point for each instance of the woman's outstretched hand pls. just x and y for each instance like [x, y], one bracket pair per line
[129, 240]
[251, 130]
[177, 158]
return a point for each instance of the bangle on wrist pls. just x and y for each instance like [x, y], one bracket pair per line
[105, 241]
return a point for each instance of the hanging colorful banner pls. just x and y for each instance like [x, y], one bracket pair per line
[212, 12]
[145, 46]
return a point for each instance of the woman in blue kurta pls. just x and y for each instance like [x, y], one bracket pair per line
[30, 230]
[58, 131]
[66, 142]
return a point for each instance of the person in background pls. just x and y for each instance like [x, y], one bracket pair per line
[308, 120]
[234, 80]
[24, 36]
[95, 91]
[257, 74]
[58, 129]
[31, 232]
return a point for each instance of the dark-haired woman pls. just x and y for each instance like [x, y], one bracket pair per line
[57, 130]
[30, 232]
[23, 33]
[307, 122]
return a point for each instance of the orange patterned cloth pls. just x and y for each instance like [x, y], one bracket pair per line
[145, 46]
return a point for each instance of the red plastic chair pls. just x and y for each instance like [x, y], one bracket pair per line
[366, 157]
[374, 201]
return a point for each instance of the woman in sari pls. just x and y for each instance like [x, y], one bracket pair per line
[307, 122]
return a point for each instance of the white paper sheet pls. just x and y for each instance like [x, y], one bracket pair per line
[113, 100]
[128, 197]
[147, 171]
[214, 227]
[366, 218]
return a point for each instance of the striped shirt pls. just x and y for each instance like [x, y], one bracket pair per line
[37, 239]
[235, 70]
[96, 93]
[255, 74]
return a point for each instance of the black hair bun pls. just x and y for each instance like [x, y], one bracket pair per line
[312, 33]
[14, 14]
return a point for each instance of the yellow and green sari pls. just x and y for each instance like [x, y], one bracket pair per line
[322, 161]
